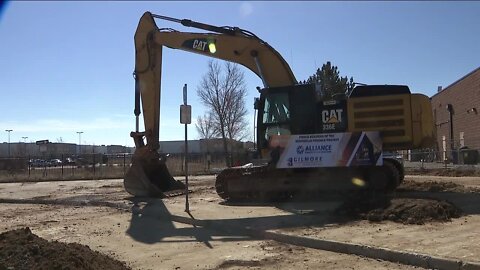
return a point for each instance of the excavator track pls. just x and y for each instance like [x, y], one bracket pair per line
[247, 176]
[268, 184]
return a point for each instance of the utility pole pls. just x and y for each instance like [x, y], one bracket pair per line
[79, 141]
[8, 130]
[25, 142]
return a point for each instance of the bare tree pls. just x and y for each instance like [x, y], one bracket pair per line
[236, 112]
[224, 93]
[206, 128]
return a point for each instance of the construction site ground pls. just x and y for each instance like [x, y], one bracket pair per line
[150, 234]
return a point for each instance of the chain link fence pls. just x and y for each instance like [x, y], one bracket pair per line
[462, 159]
[111, 166]
[97, 166]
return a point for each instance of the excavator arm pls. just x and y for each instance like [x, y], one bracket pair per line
[227, 43]
[230, 44]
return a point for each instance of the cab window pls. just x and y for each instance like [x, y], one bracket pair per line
[276, 109]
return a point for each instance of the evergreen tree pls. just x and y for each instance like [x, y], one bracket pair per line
[330, 81]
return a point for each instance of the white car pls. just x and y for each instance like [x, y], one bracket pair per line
[55, 162]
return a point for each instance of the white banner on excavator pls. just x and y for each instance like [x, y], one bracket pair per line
[329, 150]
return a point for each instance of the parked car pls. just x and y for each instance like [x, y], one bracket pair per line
[55, 162]
[69, 161]
[37, 163]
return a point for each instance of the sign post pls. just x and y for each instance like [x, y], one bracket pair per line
[186, 118]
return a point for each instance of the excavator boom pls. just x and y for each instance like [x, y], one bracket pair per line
[226, 43]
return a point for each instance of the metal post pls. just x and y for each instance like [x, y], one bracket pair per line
[186, 172]
[187, 206]
[29, 165]
[44, 165]
[8, 130]
[254, 119]
[124, 163]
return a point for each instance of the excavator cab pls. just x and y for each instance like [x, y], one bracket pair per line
[283, 111]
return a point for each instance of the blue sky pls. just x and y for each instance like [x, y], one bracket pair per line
[66, 66]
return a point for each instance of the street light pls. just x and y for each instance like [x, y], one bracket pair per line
[79, 141]
[25, 141]
[8, 130]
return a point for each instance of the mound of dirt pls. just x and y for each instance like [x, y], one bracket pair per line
[405, 210]
[433, 186]
[21, 249]
[415, 211]
[458, 172]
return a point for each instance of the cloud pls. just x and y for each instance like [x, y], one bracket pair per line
[246, 9]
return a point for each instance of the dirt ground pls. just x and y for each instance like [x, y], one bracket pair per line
[146, 234]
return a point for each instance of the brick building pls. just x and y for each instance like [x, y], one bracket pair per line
[460, 101]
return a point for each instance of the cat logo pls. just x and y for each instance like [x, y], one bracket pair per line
[332, 116]
[199, 45]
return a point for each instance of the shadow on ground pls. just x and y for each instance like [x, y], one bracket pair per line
[151, 222]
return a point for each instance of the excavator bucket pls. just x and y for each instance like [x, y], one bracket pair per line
[149, 176]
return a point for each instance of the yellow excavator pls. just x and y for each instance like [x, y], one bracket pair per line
[310, 144]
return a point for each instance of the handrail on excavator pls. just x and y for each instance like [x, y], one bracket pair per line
[189, 23]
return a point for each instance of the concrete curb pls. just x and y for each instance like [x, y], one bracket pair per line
[414, 259]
